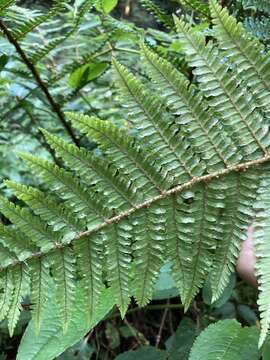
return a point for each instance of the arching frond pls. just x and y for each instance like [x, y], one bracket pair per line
[175, 182]
[20, 32]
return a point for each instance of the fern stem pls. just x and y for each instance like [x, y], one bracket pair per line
[166, 193]
[132, 51]
[55, 107]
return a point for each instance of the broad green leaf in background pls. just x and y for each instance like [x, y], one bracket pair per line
[86, 73]
[165, 287]
[144, 353]
[227, 340]
[106, 6]
[179, 344]
[51, 341]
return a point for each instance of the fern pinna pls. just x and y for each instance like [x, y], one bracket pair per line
[177, 184]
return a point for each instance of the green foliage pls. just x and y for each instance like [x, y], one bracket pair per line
[167, 177]
[170, 188]
[226, 340]
[50, 341]
[106, 6]
[144, 353]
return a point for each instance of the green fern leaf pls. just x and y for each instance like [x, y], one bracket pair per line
[63, 266]
[21, 285]
[246, 53]
[60, 217]
[5, 4]
[118, 240]
[261, 240]
[122, 150]
[40, 276]
[29, 25]
[16, 242]
[89, 251]
[146, 111]
[95, 171]
[241, 192]
[160, 15]
[6, 256]
[198, 6]
[228, 98]
[30, 225]
[150, 231]
[69, 189]
[7, 288]
[193, 115]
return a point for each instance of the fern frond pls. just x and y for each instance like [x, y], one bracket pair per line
[89, 251]
[20, 280]
[95, 171]
[7, 288]
[32, 226]
[63, 267]
[241, 192]
[149, 248]
[246, 53]
[160, 15]
[40, 53]
[151, 120]
[40, 276]
[167, 187]
[192, 111]
[20, 32]
[198, 6]
[124, 151]
[5, 4]
[257, 5]
[118, 240]
[262, 250]
[57, 215]
[226, 96]
[69, 189]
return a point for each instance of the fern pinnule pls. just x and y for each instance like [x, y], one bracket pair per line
[40, 280]
[118, 240]
[149, 248]
[17, 242]
[20, 279]
[64, 272]
[7, 287]
[90, 259]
